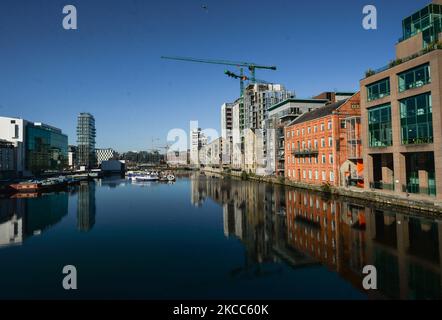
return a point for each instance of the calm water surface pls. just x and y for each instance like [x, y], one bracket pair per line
[205, 237]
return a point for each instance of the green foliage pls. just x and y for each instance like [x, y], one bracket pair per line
[244, 176]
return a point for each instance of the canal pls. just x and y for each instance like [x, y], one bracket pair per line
[211, 238]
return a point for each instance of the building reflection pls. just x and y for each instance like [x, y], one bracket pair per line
[21, 218]
[302, 227]
[86, 207]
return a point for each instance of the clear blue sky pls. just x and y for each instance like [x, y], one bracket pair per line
[111, 65]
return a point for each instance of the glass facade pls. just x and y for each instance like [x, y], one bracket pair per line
[378, 89]
[86, 140]
[417, 119]
[46, 148]
[414, 78]
[379, 126]
[427, 21]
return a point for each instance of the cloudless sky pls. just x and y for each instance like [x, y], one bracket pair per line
[111, 65]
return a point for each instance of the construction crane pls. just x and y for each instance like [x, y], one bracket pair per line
[243, 78]
[249, 65]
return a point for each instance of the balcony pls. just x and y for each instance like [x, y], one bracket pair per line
[382, 186]
[393, 63]
[305, 152]
[416, 189]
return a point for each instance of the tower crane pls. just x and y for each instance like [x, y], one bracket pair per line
[240, 64]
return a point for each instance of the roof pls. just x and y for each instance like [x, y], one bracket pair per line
[294, 100]
[318, 113]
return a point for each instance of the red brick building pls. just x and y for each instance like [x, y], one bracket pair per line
[324, 147]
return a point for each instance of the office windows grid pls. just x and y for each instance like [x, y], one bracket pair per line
[417, 119]
[414, 78]
[378, 89]
[379, 126]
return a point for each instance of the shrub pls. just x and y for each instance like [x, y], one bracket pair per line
[244, 175]
[326, 188]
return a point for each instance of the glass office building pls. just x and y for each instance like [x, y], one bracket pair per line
[46, 148]
[428, 20]
[86, 140]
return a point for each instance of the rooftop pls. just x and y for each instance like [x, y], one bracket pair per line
[295, 100]
[318, 113]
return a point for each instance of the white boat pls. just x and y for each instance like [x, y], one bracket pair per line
[145, 177]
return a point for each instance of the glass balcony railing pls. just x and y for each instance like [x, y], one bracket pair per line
[382, 185]
[416, 189]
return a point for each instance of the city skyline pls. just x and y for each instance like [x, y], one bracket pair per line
[68, 72]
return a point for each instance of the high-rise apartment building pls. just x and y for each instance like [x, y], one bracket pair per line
[226, 120]
[258, 98]
[401, 112]
[197, 141]
[86, 140]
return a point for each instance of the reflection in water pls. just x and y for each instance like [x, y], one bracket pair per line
[302, 227]
[86, 208]
[21, 218]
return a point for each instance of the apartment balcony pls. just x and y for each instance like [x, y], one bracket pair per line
[416, 189]
[305, 152]
[382, 186]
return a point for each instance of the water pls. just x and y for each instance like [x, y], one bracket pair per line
[205, 237]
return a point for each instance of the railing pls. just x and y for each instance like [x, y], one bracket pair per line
[382, 185]
[397, 62]
[305, 152]
[414, 188]
[413, 141]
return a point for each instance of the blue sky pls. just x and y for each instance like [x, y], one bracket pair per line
[111, 65]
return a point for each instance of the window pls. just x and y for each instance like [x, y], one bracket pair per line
[289, 173]
[322, 127]
[316, 175]
[297, 132]
[293, 159]
[302, 131]
[417, 119]
[288, 134]
[323, 175]
[379, 126]
[303, 174]
[323, 142]
[330, 141]
[310, 174]
[309, 130]
[316, 144]
[378, 89]
[315, 129]
[414, 78]
[293, 134]
[288, 160]
[332, 176]
[323, 158]
[330, 158]
[343, 124]
[293, 146]
[329, 125]
[309, 144]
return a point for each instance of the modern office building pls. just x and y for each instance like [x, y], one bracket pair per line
[39, 147]
[8, 159]
[279, 115]
[105, 155]
[402, 113]
[13, 130]
[323, 146]
[86, 134]
[46, 148]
